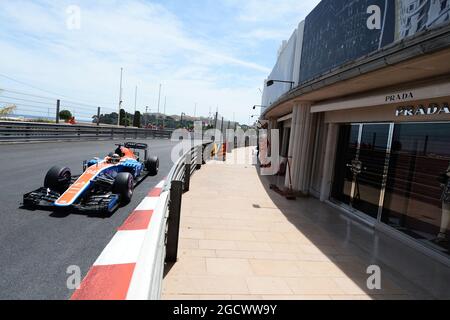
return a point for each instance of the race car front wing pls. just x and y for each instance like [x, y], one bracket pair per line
[44, 198]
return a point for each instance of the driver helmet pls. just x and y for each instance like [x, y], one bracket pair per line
[115, 158]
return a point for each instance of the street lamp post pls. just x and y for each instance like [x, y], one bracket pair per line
[258, 106]
[164, 117]
[272, 82]
[159, 102]
[120, 96]
[253, 116]
[147, 109]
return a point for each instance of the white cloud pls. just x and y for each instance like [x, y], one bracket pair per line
[149, 41]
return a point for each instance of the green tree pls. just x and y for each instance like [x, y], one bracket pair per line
[106, 118]
[127, 119]
[123, 117]
[137, 119]
[65, 115]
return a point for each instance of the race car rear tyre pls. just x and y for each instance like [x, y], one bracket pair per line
[152, 166]
[58, 179]
[124, 187]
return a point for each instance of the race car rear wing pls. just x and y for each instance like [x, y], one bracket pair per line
[135, 145]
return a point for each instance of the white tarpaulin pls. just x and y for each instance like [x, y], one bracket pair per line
[283, 70]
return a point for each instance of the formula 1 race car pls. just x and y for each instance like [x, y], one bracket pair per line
[104, 185]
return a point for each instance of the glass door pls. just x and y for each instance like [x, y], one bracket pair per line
[370, 171]
[348, 142]
[361, 166]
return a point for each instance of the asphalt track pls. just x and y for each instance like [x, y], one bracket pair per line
[37, 247]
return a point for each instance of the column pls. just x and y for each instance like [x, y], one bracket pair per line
[273, 125]
[330, 155]
[292, 144]
[301, 147]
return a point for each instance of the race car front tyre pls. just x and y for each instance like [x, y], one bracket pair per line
[124, 187]
[58, 179]
[152, 166]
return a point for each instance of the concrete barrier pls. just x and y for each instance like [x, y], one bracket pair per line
[13, 132]
[131, 266]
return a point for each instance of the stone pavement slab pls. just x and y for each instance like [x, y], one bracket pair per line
[239, 240]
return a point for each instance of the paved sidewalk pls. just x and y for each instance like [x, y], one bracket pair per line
[240, 240]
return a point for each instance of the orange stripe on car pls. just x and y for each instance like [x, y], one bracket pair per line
[69, 197]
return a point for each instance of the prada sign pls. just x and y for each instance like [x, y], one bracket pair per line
[400, 97]
[422, 110]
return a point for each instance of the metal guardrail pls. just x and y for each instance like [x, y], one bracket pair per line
[178, 182]
[32, 132]
[161, 240]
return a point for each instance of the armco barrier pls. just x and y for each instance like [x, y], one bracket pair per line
[132, 265]
[32, 132]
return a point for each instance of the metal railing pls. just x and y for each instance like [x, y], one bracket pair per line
[34, 132]
[161, 242]
[178, 182]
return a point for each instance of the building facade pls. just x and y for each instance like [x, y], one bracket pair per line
[370, 134]
[419, 15]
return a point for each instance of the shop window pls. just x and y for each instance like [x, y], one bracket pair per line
[417, 200]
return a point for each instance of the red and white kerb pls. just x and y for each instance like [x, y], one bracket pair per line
[110, 277]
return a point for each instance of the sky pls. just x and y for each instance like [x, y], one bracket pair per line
[209, 53]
